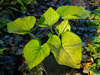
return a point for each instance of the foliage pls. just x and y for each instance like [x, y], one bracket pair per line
[35, 52]
[94, 18]
[94, 50]
[3, 19]
[65, 45]
[62, 27]
[3, 23]
[48, 20]
[68, 12]
[23, 3]
[2, 48]
[21, 26]
[65, 50]
[95, 14]
[94, 46]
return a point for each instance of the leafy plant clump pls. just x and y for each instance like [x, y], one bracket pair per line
[94, 49]
[95, 18]
[23, 3]
[65, 45]
[94, 45]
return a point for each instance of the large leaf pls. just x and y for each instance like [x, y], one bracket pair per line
[67, 51]
[72, 12]
[64, 26]
[34, 53]
[49, 18]
[21, 25]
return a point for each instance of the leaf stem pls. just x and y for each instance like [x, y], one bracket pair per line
[33, 36]
[51, 30]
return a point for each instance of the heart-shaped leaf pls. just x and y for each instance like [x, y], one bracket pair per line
[67, 51]
[49, 18]
[72, 12]
[34, 53]
[64, 26]
[21, 25]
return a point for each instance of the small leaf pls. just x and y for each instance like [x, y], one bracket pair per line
[1, 42]
[13, 8]
[69, 53]
[34, 53]
[3, 48]
[64, 26]
[21, 25]
[49, 18]
[89, 42]
[98, 31]
[72, 12]
[23, 8]
[1, 53]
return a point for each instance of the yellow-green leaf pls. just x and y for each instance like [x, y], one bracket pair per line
[64, 26]
[72, 12]
[49, 18]
[34, 53]
[67, 51]
[21, 25]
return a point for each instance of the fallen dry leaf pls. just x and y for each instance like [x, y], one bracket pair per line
[88, 64]
[86, 68]
[89, 42]
[77, 74]
[24, 73]
[98, 31]
[96, 3]
[91, 73]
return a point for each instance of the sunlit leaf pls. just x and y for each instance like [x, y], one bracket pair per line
[34, 53]
[67, 51]
[64, 26]
[49, 18]
[72, 12]
[21, 25]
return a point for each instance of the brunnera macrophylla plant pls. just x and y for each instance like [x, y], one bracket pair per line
[66, 46]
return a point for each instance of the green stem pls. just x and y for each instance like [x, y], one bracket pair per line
[33, 36]
[51, 30]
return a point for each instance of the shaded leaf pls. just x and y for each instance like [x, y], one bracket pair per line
[89, 42]
[3, 48]
[1, 42]
[3, 20]
[13, 8]
[1, 53]
[23, 8]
